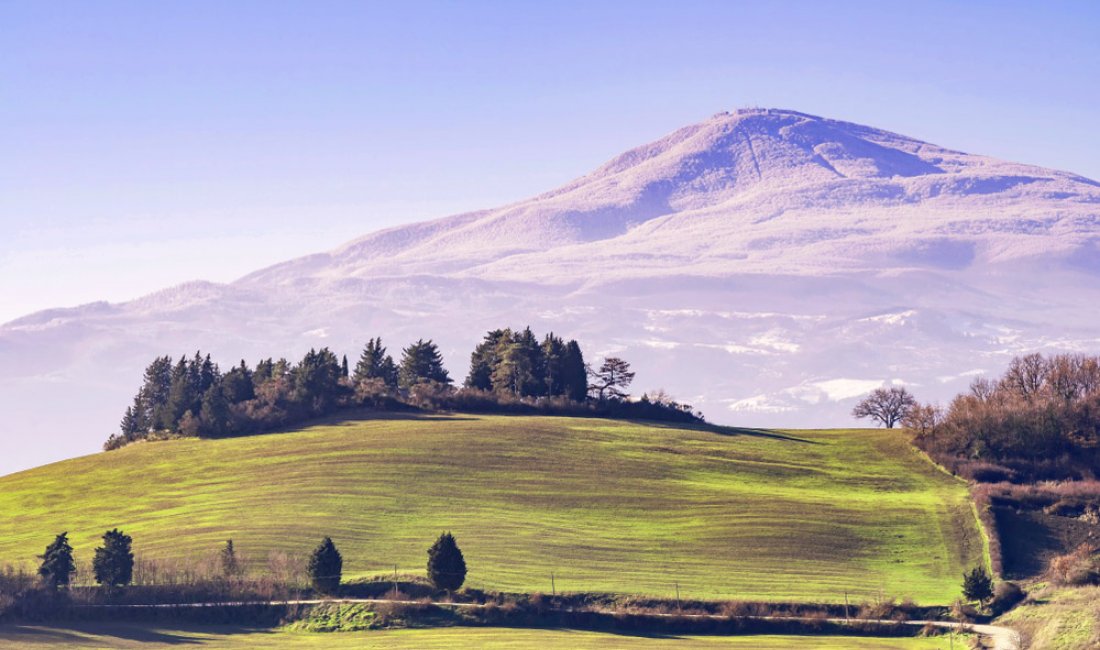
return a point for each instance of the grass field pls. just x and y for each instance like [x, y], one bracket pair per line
[1059, 618]
[604, 505]
[153, 638]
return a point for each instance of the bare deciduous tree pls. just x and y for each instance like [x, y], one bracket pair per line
[885, 405]
[923, 419]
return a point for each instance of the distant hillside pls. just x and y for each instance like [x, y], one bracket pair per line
[767, 266]
[604, 505]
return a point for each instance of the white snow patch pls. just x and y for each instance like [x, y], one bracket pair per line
[773, 340]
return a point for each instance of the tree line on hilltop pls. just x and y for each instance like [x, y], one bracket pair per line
[510, 371]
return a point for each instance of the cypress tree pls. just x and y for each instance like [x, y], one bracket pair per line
[553, 358]
[574, 373]
[181, 396]
[446, 566]
[113, 563]
[326, 567]
[153, 396]
[231, 567]
[57, 563]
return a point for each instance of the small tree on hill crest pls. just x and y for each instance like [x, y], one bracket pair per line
[886, 405]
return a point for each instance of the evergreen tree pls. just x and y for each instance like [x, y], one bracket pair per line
[374, 363]
[484, 360]
[422, 362]
[237, 384]
[977, 585]
[553, 365]
[214, 413]
[446, 566]
[344, 367]
[574, 373]
[208, 374]
[513, 370]
[528, 347]
[128, 426]
[113, 563]
[57, 563]
[181, 396]
[231, 567]
[326, 567]
[317, 381]
[263, 372]
[611, 379]
[142, 420]
[153, 396]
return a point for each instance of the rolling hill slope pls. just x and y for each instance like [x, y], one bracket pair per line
[604, 505]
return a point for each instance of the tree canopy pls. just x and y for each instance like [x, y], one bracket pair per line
[57, 563]
[326, 567]
[887, 406]
[113, 563]
[446, 566]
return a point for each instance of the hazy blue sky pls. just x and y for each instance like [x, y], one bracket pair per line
[147, 143]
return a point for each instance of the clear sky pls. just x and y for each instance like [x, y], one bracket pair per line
[144, 144]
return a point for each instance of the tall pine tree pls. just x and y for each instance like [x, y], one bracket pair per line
[422, 362]
[57, 563]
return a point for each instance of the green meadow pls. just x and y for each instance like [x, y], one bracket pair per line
[124, 636]
[603, 505]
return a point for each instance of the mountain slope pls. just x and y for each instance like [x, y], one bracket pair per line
[604, 505]
[766, 265]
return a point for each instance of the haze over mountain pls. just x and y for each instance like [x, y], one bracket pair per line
[767, 266]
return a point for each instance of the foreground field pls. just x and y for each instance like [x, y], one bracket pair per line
[604, 505]
[1059, 618]
[152, 638]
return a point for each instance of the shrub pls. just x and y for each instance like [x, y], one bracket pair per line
[1006, 595]
[1081, 567]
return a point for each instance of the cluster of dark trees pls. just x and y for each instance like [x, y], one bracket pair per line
[113, 564]
[192, 396]
[1039, 420]
[510, 371]
[517, 364]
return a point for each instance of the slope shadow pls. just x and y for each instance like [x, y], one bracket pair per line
[73, 633]
[771, 434]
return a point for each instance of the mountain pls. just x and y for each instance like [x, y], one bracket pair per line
[768, 266]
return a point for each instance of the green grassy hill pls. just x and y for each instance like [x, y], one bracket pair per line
[604, 505]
